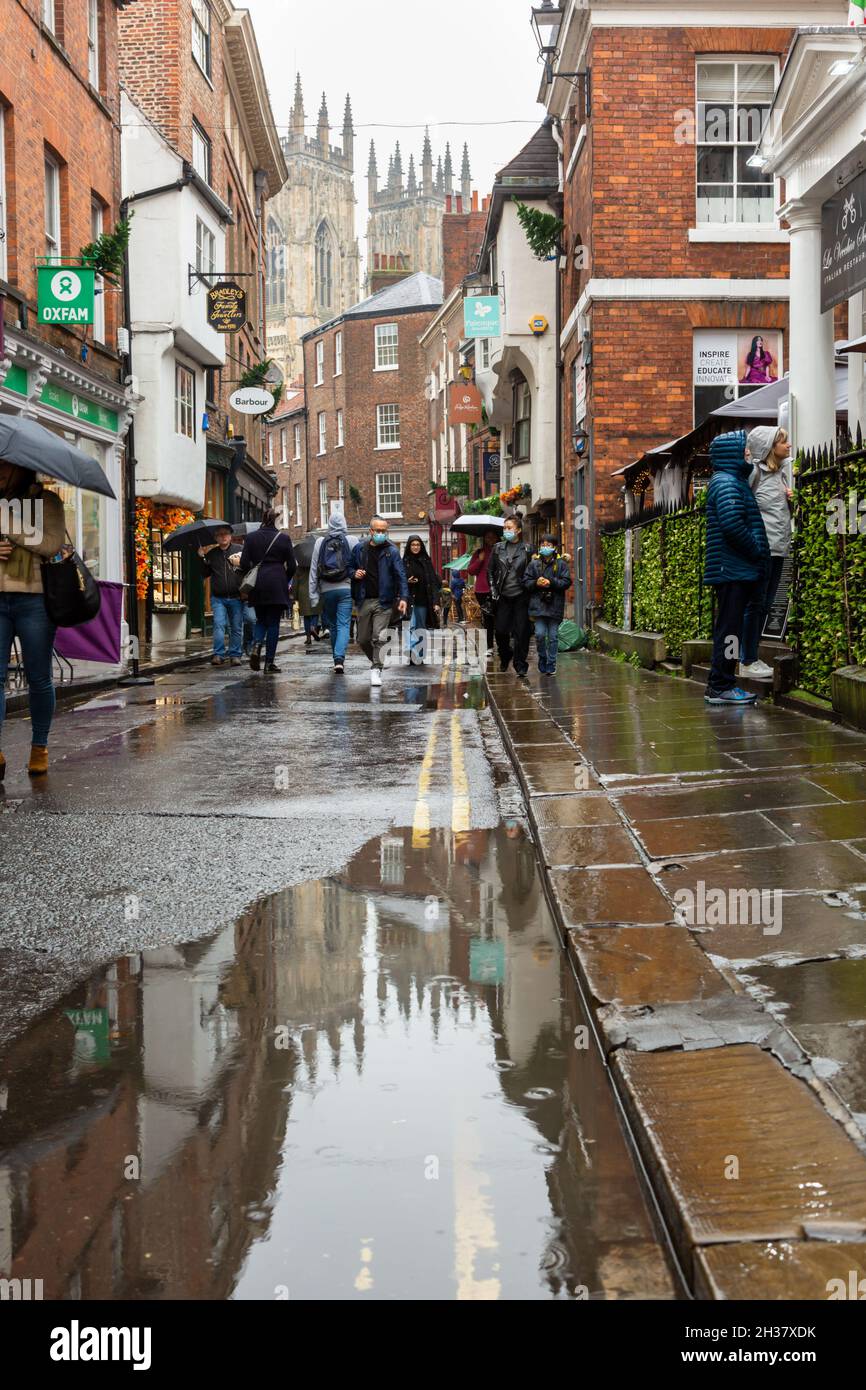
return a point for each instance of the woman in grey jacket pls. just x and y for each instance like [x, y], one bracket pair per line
[771, 483]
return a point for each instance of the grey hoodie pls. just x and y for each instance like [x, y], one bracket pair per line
[336, 526]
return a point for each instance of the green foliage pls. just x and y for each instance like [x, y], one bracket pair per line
[648, 579]
[106, 253]
[829, 611]
[542, 229]
[255, 376]
[635, 661]
[613, 552]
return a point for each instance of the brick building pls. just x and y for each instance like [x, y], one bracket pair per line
[676, 260]
[59, 191]
[287, 456]
[367, 428]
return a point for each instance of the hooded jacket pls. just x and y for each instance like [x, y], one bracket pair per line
[336, 527]
[770, 489]
[547, 603]
[737, 546]
[425, 592]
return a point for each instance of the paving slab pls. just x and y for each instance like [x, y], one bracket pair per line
[594, 844]
[786, 868]
[544, 733]
[691, 835]
[645, 965]
[722, 799]
[704, 1116]
[848, 786]
[802, 755]
[842, 822]
[812, 927]
[719, 1021]
[586, 808]
[590, 896]
[781, 1270]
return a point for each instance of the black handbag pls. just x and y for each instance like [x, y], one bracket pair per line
[72, 595]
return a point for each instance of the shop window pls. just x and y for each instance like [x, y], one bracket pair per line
[201, 24]
[389, 494]
[733, 102]
[184, 401]
[168, 583]
[215, 495]
[84, 512]
[387, 426]
[387, 347]
[522, 422]
[730, 363]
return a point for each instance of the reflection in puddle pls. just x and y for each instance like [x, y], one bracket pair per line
[367, 1087]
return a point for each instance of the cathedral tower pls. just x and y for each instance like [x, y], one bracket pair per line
[404, 227]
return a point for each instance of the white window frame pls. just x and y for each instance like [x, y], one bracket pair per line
[284, 445]
[205, 248]
[270, 448]
[341, 488]
[340, 438]
[184, 401]
[338, 354]
[324, 508]
[323, 433]
[386, 347]
[737, 60]
[93, 43]
[201, 142]
[49, 18]
[201, 36]
[299, 518]
[387, 425]
[4, 254]
[53, 245]
[383, 507]
[97, 227]
[320, 362]
[484, 354]
[297, 442]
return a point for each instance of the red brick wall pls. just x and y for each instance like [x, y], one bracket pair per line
[358, 391]
[462, 235]
[46, 98]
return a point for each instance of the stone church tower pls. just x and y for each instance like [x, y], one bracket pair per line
[313, 261]
[404, 229]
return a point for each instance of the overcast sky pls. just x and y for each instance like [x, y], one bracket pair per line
[452, 64]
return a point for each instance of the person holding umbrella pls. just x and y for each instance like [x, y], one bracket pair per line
[225, 594]
[269, 552]
[32, 529]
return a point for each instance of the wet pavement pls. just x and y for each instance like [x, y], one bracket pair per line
[709, 867]
[332, 1047]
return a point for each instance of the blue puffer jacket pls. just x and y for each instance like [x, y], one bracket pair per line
[737, 546]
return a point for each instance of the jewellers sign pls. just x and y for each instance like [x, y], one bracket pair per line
[843, 244]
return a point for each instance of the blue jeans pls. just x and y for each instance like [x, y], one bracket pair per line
[267, 628]
[227, 611]
[416, 627]
[546, 638]
[249, 626]
[337, 611]
[24, 616]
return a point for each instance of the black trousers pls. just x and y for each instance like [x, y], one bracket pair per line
[513, 631]
[731, 600]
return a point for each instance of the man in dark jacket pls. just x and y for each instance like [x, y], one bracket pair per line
[225, 596]
[380, 584]
[508, 565]
[737, 562]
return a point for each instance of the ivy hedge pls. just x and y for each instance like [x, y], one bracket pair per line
[828, 625]
[613, 552]
[668, 593]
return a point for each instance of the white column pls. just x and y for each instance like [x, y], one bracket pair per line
[856, 375]
[812, 376]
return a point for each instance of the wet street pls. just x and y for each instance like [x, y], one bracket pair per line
[286, 1014]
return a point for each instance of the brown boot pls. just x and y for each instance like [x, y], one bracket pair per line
[38, 764]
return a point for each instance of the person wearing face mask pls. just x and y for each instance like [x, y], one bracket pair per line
[508, 565]
[379, 587]
[425, 588]
[479, 567]
[771, 482]
[546, 580]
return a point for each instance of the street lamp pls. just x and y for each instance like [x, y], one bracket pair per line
[546, 23]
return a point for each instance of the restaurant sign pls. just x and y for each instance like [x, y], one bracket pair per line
[465, 406]
[843, 244]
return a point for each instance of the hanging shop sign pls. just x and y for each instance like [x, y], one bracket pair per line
[492, 465]
[227, 307]
[251, 400]
[92, 1038]
[445, 508]
[65, 293]
[465, 404]
[481, 316]
[843, 244]
[458, 482]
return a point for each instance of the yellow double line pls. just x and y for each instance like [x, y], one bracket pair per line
[460, 801]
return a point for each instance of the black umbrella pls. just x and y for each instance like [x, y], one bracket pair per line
[242, 529]
[304, 551]
[29, 445]
[195, 533]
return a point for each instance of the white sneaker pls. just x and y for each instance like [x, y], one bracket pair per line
[758, 670]
[375, 676]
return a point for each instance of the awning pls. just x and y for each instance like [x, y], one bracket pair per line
[852, 345]
[764, 403]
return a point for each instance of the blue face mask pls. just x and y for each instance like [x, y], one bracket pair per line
[379, 537]
[510, 535]
[546, 550]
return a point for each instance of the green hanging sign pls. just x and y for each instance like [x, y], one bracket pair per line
[65, 293]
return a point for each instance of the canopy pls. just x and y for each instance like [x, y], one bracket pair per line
[460, 563]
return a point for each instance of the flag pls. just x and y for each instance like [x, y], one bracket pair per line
[857, 12]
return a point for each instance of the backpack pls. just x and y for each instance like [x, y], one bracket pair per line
[334, 560]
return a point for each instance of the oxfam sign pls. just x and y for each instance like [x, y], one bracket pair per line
[65, 294]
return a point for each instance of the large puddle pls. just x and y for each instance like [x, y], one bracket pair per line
[373, 1086]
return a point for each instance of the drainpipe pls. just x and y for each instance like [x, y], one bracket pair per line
[261, 179]
[556, 128]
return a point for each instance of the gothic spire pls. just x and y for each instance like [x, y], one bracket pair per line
[372, 175]
[372, 167]
[398, 166]
[298, 116]
[412, 184]
[323, 131]
[348, 132]
[449, 170]
[440, 177]
[427, 166]
[466, 179]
